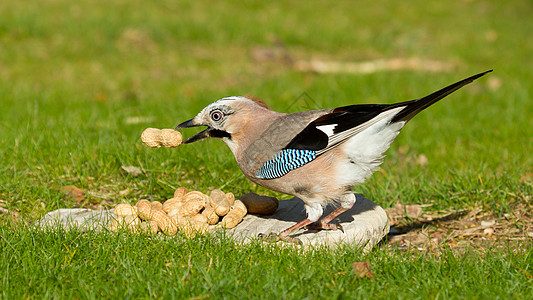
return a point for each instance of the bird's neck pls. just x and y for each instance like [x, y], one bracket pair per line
[252, 128]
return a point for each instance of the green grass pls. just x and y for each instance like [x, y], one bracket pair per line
[94, 265]
[73, 73]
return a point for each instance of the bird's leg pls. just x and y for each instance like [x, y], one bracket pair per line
[324, 222]
[285, 234]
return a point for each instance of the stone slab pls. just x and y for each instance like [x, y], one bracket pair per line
[81, 218]
[365, 224]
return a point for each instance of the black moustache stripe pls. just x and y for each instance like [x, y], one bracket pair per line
[219, 133]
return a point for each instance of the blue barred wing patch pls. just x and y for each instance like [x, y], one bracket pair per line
[285, 161]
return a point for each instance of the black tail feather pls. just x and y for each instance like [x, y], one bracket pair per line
[416, 106]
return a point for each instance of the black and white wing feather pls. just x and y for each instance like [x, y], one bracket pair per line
[342, 123]
[339, 125]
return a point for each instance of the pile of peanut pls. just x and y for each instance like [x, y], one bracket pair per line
[191, 212]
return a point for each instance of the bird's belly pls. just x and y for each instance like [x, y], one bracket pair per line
[315, 180]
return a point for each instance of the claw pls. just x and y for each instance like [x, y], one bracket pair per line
[328, 226]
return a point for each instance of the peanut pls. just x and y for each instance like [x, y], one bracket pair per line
[240, 205]
[233, 218]
[150, 226]
[180, 221]
[189, 226]
[199, 218]
[164, 222]
[174, 212]
[172, 203]
[156, 138]
[130, 222]
[157, 205]
[192, 207]
[261, 205]
[192, 228]
[114, 225]
[144, 207]
[231, 198]
[194, 194]
[151, 137]
[181, 191]
[220, 202]
[125, 209]
[210, 214]
[170, 138]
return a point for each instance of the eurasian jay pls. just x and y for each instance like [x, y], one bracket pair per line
[318, 155]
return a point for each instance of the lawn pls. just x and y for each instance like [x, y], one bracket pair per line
[80, 81]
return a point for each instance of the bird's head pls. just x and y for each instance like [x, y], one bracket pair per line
[225, 118]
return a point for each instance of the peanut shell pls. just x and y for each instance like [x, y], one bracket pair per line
[150, 226]
[164, 222]
[199, 218]
[170, 138]
[151, 137]
[192, 207]
[210, 214]
[129, 222]
[180, 220]
[219, 202]
[181, 191]
[157, 205]
[172, 203]
[239, 204]
[176, 211]
[194, 194]
[156, 138]
[125, 209]
[231, 198]
[233, 218]
[192, 228]
[144, 207]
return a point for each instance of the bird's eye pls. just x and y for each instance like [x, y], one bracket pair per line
[216, 115]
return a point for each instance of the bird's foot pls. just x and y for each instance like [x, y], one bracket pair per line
[273, 237]
[327, 226]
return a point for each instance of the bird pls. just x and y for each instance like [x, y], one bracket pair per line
[317, 156]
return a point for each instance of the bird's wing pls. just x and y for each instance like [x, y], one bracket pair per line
[322, 134]
[340, 124]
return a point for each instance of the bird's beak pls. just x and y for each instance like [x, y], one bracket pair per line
[189, 123]
[199, 136]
